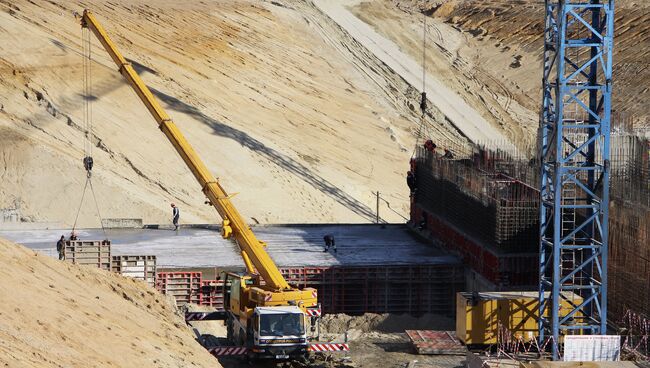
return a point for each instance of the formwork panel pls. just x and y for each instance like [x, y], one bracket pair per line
[212, 293]
[382, 289]
[95, 253]
[506, 270]
[138, 267]
[185, 287]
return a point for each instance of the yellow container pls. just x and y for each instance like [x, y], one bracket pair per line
[478, 317]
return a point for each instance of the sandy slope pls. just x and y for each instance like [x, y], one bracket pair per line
[55, 314]
[490, 52]
[456, 110]
[300, 133]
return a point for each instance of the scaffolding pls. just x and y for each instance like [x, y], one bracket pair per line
[574, 155]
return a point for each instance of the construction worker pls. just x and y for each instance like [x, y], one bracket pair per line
[60, 246]
[176, 214]
[430, 146]
[410, 181]
[73, 235]
[329, 242]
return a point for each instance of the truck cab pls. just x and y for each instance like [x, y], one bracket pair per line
[279, 332]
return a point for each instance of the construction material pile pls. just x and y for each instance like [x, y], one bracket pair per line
[58, 314]
[389, 323]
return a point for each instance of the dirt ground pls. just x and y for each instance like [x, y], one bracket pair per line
[376, 340]
[56, 314]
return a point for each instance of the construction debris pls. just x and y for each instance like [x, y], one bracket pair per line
[436, 342]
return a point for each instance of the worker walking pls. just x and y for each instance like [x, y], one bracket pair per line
[60, 246]
[176, 214]
[329, 242]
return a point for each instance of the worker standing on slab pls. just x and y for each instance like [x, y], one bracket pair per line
[176, 214]
[60, 246]
[329, 242]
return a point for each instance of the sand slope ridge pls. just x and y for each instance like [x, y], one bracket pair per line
[272, 109]
[55, 314]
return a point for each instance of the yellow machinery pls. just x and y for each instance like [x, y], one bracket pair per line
[480, 317]
[269, 319]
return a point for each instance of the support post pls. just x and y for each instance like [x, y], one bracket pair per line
[377, 211]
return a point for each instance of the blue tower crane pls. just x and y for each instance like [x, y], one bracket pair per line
[574, 149]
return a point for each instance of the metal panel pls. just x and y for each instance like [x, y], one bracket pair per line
[574, 149]
[95, 253]
[185, 287]
[138, 267]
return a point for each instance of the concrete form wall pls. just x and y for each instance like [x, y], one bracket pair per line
[491, 207]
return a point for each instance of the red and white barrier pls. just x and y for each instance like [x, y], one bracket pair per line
[329, 347]
[228, 350]
[314, 312]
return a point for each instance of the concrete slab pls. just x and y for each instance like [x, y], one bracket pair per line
[288, 245]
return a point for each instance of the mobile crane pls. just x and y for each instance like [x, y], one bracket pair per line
[269, 318]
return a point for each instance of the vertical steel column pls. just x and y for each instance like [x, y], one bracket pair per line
[574, 150]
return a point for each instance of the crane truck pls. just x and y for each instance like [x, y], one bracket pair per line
[263, 312]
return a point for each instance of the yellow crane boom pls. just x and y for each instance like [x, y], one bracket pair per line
[252, 249]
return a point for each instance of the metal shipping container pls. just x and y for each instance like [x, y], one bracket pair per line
[479, 316]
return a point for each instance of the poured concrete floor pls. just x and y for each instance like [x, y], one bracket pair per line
[288, 245]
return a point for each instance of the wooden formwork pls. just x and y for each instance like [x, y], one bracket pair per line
[96, 253]
[185, 287]
[138, 267]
